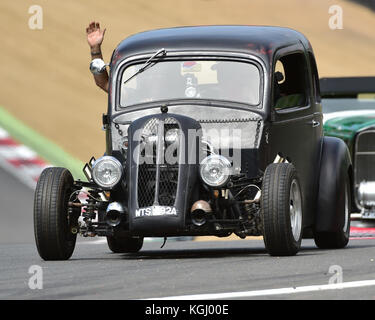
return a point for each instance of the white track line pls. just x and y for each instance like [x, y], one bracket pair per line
[270, 292]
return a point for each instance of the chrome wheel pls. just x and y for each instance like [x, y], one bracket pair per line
[295, 205]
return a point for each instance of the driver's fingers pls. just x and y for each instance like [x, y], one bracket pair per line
[97, 26]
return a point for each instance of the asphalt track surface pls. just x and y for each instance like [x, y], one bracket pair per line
[180, 268]
[16, 210]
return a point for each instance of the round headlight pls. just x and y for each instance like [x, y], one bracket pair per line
[215, 170]
[107, 172]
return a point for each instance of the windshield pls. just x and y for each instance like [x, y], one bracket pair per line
[198, 79]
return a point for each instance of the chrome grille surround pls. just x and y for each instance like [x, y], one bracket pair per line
[364, 163]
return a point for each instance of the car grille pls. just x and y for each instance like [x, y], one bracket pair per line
[364, 158]
[157, 182]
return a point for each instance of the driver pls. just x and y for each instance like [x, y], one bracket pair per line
[164, 82]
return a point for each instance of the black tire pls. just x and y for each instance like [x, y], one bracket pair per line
[340, 238]
[276, 203]
[54, 239]
[124, 244]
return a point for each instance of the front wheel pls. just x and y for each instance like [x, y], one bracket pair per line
[52, 224]
[281, 210]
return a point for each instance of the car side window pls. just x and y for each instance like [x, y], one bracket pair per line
[290, 87]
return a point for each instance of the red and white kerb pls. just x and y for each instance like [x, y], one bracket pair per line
[20, 160]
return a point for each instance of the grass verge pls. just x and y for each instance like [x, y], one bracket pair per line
[46, 149]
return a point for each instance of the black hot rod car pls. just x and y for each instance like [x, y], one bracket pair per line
[210, 130]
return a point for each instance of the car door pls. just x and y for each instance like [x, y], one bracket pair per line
[295, 126]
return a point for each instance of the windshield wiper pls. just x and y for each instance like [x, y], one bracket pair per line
[148, 63]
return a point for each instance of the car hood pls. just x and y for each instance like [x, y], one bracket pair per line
[345, 124]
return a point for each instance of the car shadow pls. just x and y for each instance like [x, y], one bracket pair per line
[308, 249]
[195, 253]
[202, 253]
[209, 253]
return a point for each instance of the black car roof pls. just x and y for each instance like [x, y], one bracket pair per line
[259, 40]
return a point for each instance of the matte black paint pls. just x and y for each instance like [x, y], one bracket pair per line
[260, 41]
[335, 167]
[188, 174]
[290, 133]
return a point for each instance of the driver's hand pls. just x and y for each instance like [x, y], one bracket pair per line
[95, 35]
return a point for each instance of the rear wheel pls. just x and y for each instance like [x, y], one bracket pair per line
[281, 210]
[52, 224]
[340, 238]
[124, 244]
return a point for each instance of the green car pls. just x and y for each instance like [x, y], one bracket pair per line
[349, 114]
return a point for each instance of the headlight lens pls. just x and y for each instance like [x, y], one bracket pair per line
[107, 172]
[215, 170]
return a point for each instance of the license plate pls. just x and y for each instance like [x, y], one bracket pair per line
[156, 211]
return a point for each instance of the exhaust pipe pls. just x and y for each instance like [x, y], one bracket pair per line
[114, 214]
[199, 212]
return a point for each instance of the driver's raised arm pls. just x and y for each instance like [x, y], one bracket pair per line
[95, 37]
